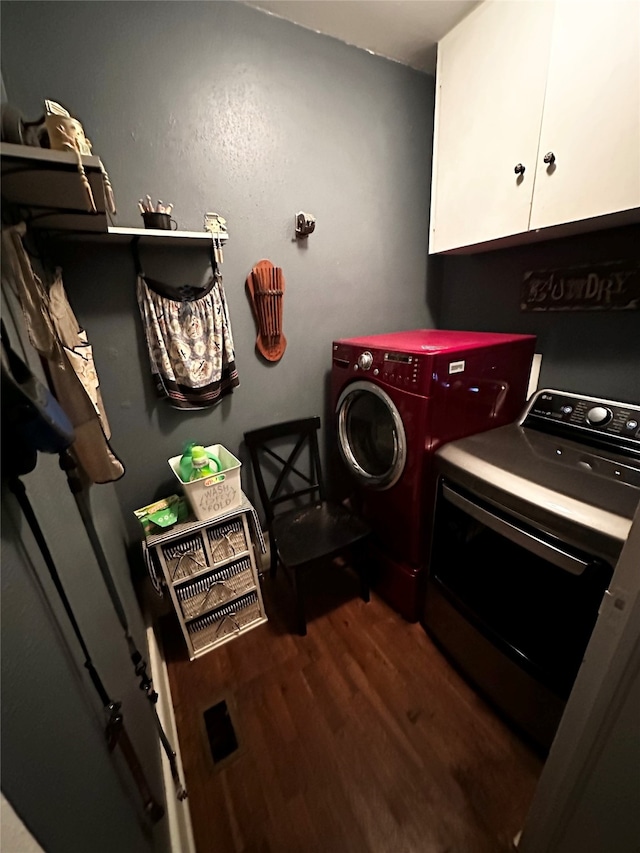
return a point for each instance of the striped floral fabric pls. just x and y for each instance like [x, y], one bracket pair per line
[190, 345]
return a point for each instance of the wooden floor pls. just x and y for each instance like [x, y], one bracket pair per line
[358, 738]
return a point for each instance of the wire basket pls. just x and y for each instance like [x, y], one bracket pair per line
[226, 620]
[227, 541]
[186, 557]
[216, 588]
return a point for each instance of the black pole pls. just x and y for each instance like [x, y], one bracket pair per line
[68, 465]
[115, 732]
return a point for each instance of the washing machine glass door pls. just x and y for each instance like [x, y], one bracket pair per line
[371, 435]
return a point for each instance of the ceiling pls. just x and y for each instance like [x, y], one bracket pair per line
[403, 30]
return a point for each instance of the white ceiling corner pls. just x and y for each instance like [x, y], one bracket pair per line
[406, 31]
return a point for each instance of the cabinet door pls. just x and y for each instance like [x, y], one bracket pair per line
[490, 90]
[591, 120]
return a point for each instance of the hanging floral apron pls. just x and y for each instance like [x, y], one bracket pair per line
[189, 340]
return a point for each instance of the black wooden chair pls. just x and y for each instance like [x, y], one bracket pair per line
[305, 529]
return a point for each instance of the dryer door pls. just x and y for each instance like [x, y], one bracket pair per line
[371, 435]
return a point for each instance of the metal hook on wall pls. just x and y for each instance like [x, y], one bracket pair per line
[305, 224]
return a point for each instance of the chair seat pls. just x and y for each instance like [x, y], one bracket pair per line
[314, 531]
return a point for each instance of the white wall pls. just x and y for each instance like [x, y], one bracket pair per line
[588, 797]
[14, 836]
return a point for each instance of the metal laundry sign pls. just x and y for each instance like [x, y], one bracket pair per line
[611, 286]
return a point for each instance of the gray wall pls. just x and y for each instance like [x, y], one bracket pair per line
[213, 106]
[592, 352]
[216, 106]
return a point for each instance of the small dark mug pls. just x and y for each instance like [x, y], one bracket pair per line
[161, 221]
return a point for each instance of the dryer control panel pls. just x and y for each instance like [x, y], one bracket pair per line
[593, 420]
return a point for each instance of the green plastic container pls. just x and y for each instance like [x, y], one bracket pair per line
[190, 471]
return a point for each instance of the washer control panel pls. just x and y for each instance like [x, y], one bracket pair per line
[405, 371]
[583, 418]
[401, 369]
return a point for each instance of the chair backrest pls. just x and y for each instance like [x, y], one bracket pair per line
[285, 459]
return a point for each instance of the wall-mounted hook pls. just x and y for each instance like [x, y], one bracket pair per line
[305, 224]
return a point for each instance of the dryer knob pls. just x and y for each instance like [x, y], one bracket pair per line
[365, 360]
[599, 415]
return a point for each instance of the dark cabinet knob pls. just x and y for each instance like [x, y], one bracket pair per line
[550, 158]
[519, 169]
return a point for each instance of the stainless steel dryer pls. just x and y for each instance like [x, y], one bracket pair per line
[529, 522]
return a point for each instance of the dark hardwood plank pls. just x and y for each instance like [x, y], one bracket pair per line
[358, 738]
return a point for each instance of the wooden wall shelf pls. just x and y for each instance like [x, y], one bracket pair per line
[169, 238]
[47, 184]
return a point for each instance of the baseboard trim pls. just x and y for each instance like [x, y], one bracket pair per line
[177, 811]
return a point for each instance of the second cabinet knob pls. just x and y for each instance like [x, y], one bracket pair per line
[519, 169]
[549, 158]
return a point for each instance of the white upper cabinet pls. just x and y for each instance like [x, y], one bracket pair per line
[490, 79]
[517, 81]
[591, 120]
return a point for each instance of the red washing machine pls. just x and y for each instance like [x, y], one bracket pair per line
[397, 398]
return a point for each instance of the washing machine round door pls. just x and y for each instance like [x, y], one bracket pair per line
[371, 435]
